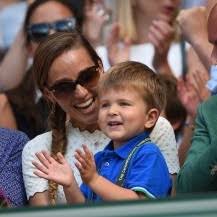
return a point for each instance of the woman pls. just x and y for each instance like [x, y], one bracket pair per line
[67, 71]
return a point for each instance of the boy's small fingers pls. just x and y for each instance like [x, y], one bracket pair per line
[86, 150]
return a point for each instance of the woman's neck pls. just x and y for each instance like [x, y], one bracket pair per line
[142, 24]
[82, 127]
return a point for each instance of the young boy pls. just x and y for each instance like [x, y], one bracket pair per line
[131, 97]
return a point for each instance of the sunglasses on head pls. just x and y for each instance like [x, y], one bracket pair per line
[38, 32]
[87, 78]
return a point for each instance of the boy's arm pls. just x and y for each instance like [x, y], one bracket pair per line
[100, 185]
[60, 172]
[109, 191]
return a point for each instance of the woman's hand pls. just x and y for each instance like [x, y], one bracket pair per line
[58, 170]
[86, 165]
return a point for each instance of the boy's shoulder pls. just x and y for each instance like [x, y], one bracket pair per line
[148, 148]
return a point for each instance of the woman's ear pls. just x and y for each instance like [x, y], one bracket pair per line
[48, 95]
[152, 117]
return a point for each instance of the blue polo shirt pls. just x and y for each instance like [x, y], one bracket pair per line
[147, 172]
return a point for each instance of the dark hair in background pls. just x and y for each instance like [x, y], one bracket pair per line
[45, 55]
[76, 7]
[175, 112]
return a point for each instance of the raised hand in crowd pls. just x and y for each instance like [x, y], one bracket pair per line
[188, 95]
[118, 50]
[161, 34]
[199, 80]
[96, 15]
[194, 31]
[13, 66]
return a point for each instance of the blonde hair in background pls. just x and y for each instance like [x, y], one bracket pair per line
[126, 20]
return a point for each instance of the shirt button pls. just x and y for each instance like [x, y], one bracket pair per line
[106, 164]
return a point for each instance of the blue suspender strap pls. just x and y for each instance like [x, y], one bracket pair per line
[121, 177]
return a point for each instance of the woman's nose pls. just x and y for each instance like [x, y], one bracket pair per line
[80, 91]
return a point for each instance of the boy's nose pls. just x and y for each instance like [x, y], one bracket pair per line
[113, 110]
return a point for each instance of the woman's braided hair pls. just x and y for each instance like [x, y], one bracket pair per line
[45, 55]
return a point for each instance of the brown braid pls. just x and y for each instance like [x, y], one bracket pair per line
[57, 119]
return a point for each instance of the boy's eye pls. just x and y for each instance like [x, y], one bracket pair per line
[124, 104]
[104, 105]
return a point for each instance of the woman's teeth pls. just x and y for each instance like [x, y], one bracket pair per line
[85, 104]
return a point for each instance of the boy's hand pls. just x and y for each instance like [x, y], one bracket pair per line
[58, 170]
[86, 165]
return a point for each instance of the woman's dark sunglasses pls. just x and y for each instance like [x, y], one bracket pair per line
[87, 78]
[38, 32]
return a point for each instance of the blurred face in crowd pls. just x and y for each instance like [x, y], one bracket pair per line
[48, 12]
[72, 83]
[162, 9]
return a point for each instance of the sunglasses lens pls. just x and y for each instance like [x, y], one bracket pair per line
[64, 88]
[89, 77]
[38, 32]
[65, 25]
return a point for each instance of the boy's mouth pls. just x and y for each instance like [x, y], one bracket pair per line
[114, 123]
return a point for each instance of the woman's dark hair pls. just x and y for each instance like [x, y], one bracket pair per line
[75, 6]
[51, 48]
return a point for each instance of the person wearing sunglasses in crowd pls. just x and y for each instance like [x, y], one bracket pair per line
[67, 70]
[131, 98]
[43, 17]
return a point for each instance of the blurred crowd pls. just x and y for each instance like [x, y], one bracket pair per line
[43, 43]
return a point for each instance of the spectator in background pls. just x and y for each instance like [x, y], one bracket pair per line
[199, 172]
[29, 110]
[11, 180]
[144, 32]
[194, 89]
[11, 20]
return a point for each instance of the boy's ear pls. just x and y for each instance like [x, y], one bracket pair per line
[152, 117]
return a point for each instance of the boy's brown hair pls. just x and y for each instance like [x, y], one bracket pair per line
[137, 76]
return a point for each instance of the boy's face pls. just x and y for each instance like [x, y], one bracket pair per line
[123, 114]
